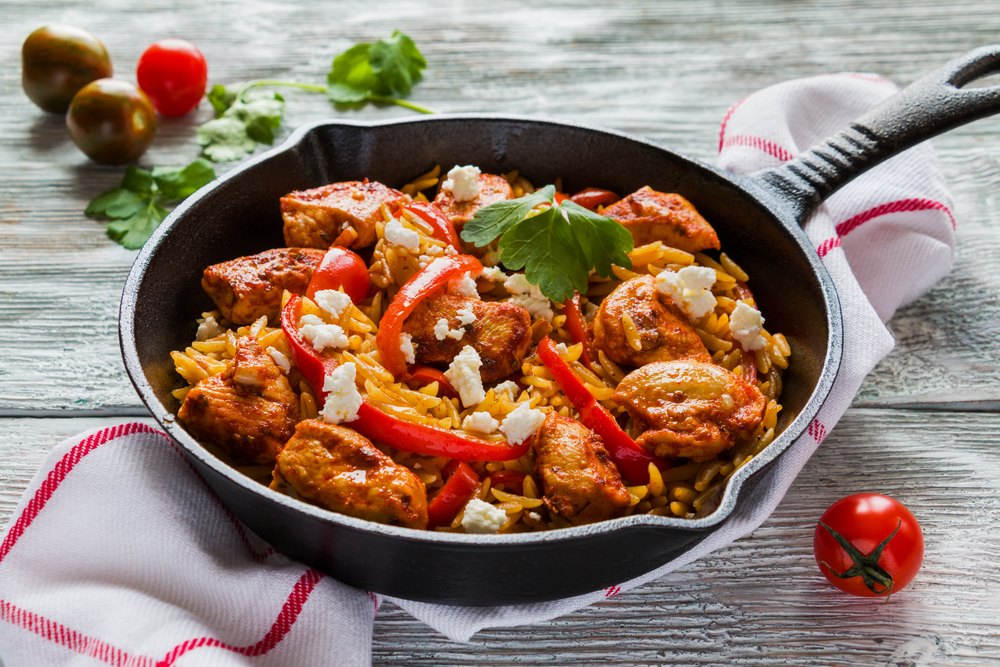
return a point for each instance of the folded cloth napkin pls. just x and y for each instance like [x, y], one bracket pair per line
[119, 554]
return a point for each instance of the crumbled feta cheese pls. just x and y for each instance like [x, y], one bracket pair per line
[690, 289]
[508, 387]
[463, 374]
[521, 423]
[320, 334]
[334, 302]
[343, 399]
[562, 349]
[529, 297]
[464, 286]
[209, 329]
[406, 347]
[450, 250]
[493, 274]
[434, 251]
[280, 359]
[442, 330]
[745, 324]
[397, 234]
[482, 518]
[466, 316]
[480, 421]
[589, 311]
[463, 183]
[424, 260]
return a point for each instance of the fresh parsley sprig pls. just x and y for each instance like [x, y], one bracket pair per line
[138, 206]
[246, 116]
[557, 247]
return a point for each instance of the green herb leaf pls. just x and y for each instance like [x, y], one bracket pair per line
[604, 241]
[380, 72]
[135, 208]
[250, 119]
[221, 97]
[490, 222]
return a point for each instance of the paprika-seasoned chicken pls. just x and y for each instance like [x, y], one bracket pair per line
[249, 410]
[492, 188]
[658, 216]
[580, 482]
[341, 214]
[664, 333]
[246, 288]
[500, 333]
[689, 408]
[341, 470]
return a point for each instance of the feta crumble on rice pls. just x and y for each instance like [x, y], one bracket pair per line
[493, 274]
[508, 387]
[690, 289]
[480, 421]
[209, 328]
[589, 311]
[334, 302]
[464, 286]
[529, 297]
[463, 374]
[562, 349]
[280, 359]
[450, 250]
[521, 423]
[466, 316]
[442, 330]
[482, 518]
[406, 347]
[397, 234]
[320, 334]
[463, 182]
[344, 399]
[745, 324]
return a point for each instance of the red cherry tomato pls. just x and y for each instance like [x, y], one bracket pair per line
[340, 268]
[512, 480]
[173, 73]
[593, 197]
[885, 545]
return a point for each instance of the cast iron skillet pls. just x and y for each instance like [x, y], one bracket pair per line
[757, 219]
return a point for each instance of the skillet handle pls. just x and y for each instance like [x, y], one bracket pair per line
[927, 107]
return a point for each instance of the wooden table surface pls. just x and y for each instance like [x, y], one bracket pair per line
[923, 427]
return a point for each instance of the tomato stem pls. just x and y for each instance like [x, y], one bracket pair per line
[865, 566]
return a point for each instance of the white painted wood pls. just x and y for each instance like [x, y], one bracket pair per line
[924, 423]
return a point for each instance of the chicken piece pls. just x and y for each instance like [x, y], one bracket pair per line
[658, 216]
[249, 410]
[341, 214]
[500, 334]
[579, 480]
[244, 289]
[341, 470]
[689, 408]
[665, 333]
[492, 188]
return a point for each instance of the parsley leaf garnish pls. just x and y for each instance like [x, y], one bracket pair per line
[138, 206]
[382, 72]
[558, 247]
[245, 118]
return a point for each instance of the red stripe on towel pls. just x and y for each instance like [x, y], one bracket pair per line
[764, 145]
[901, 206]
[827, 245]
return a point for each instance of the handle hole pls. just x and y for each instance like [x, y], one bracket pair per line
[989, 81]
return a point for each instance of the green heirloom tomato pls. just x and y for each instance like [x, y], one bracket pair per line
[57, 61]
[111, 121]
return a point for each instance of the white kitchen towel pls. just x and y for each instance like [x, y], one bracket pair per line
[119, 554]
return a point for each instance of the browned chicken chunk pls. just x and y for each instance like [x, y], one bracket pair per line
[664, 333]
[500, 334]
[658, 216]
[341, 214]
[249, 410]
[492, 189]
[341, 470]
[689, 409]
[247, 288]
[580, 482]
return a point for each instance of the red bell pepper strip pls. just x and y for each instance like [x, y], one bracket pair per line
[560, 197]
[340, 268]
[419, 287]
[632, 461]
[432, 441]
[453, 495]
[431, 213]
[313, 366]
[577, 326]
[424, 375]
[512, 480]
[593, 197]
